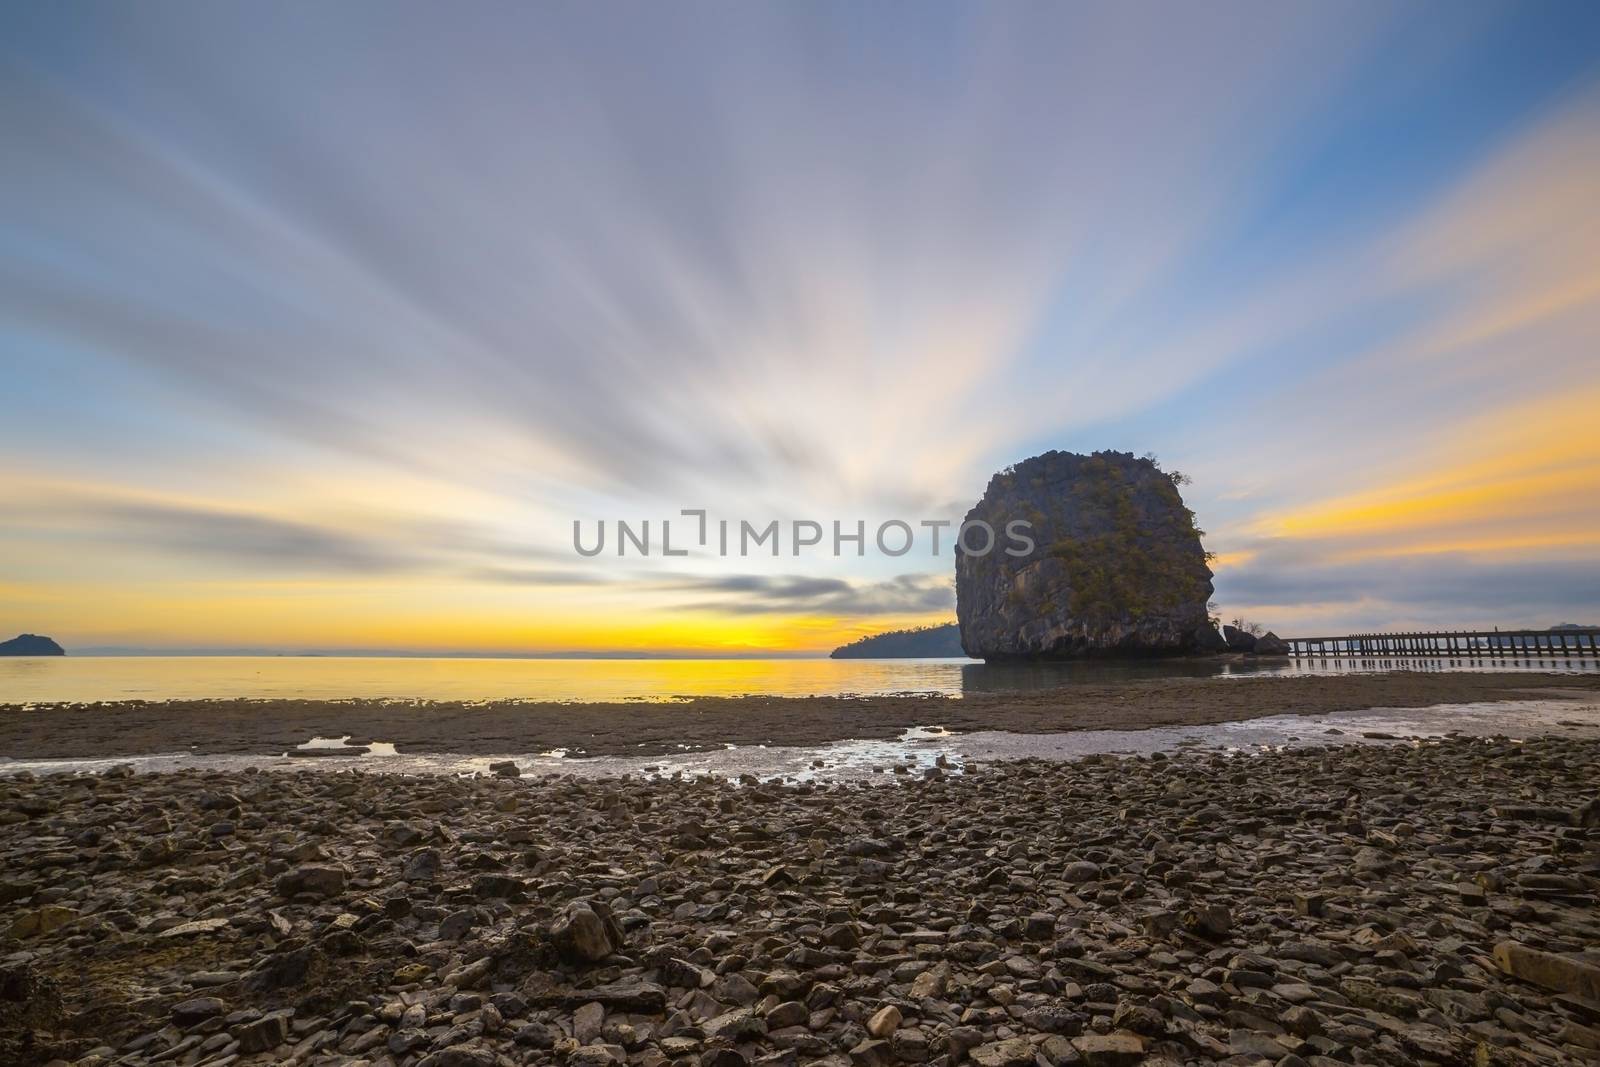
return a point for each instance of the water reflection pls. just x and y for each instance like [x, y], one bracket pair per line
[92, 678]
[1034, 677]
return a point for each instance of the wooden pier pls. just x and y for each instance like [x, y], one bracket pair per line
[1454, 644]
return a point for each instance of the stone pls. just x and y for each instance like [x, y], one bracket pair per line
[194, 928]
[788, 1013]
[315, 879]
[1238, 640]
[587, 1021]
[505, 769]
[1013, 1052]
[735, 989]
[680, 972]
[457, 924]
[1270, 644]
[43, 920]
[187, 1013]
[1116, 568]
[1212, 921]
[627, 995]
[929, 984]
[1039, 927]
[1374, 860]
[1110, 1050]
[263, 1034]
[1193, 933]
[1310, 904]
[462, 1055]
[423, 865]
[1564, 974]
[1207, 641]
[871, 1053]
[884, 1021]
[287, 969]
[1587, 815]
[742, 1024]
[1080, 872]
[496, 886]
[587, 932]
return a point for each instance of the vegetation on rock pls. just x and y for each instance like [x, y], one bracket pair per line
[1118, 569]
[920, 642]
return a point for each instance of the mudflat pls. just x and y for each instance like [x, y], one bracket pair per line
[266, 727]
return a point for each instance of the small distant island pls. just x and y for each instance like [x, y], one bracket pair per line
[924, 642]
[31, 645]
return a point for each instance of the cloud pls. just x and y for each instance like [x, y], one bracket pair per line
[690, 258]
[792, 261]
[543, 576]
[242, 538]
[906, 594]
[773, 587]
[1289, 588]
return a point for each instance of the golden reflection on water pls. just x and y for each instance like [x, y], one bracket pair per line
[91, 678]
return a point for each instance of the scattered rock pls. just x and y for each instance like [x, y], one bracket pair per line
[321, 880]
[263, 1034]
[587, 932]
[1313, 907]
[1238, 640]
[1014, 1052]
[884, 1022]
[1270, 644]
[1110, 1050]
[40, 921]
[1564, 974]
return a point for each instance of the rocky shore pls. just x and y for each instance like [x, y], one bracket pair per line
[1390, 905]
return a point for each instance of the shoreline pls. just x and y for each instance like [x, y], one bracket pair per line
[271, 727]
[916, 752]
[1409, 906]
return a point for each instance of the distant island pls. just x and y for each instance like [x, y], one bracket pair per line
[31, 645]
[925, 642]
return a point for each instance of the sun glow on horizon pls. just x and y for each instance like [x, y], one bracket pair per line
[310, 344]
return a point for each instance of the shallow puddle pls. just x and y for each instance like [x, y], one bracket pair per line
[915, 753]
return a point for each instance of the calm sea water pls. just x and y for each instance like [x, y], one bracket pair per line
[91, 678]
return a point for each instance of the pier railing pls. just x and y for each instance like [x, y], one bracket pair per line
[1446, 644]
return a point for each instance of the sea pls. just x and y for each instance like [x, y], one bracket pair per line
[86, 679]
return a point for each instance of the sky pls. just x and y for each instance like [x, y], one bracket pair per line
[320, 325]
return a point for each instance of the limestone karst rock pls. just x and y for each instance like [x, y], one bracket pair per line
[1208, 640]
[1239, 640]
[1117, 567]
[1270, 644]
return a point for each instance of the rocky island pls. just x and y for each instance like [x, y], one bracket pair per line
[930, 642]
[1117, 570]
[31, 645]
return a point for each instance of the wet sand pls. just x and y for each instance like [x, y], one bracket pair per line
[268, 727]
